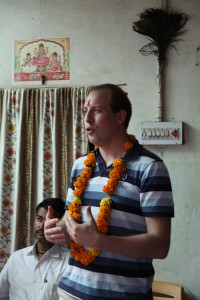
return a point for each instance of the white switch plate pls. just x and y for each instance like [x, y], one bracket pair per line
[160, 133]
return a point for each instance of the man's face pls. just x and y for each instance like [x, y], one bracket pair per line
[100, 122]
[39, 225]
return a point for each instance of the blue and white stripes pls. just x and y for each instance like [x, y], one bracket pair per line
[145, 192]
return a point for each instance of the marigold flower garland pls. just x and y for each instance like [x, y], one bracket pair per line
[74, 209]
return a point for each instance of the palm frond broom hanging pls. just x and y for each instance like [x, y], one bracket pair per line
[163, 30]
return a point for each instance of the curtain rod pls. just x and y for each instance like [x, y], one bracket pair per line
[52, 87]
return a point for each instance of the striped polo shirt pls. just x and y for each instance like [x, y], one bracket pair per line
[144, 191]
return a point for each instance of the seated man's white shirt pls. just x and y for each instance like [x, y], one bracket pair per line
[25, 277]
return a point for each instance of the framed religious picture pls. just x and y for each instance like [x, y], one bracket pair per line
[42, 58]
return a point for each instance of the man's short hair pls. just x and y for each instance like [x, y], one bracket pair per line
[57, 204]
[119, 100]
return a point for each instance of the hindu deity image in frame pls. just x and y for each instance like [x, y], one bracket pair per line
[34, 58]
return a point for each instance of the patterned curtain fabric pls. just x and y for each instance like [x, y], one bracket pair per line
[36, 156]
[80, 141]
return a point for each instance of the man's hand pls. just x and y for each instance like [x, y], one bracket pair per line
[153, 244]
[53, 232]
[85, 234]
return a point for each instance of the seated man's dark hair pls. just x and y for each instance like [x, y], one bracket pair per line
[57, 204]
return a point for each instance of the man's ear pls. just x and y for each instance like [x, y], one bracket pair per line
[121, 117]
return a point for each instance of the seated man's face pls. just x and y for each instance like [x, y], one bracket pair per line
[39, 225]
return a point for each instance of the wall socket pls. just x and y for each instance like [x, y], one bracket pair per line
[160, 133]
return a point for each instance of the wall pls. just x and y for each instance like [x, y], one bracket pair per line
[104, 48]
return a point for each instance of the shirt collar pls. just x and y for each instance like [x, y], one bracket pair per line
[132, 154]
[54, 251]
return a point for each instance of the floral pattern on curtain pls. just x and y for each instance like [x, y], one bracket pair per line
[80, 140]
[35, 158]
[8, 151]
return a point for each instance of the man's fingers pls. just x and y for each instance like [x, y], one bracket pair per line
[54, 231]
[70, 224]
[89, 214]
[56, 235]
[50, 223]
[49, 213]
[59, 241]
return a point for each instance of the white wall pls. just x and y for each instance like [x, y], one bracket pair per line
[104, 48]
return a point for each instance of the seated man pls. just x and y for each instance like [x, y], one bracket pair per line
[34, 272]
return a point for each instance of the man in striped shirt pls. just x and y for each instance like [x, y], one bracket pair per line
[142, 207]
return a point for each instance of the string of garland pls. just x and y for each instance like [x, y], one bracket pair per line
[103, 218]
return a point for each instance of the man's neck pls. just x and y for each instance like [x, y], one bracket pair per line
[41, 249]
[114, 150]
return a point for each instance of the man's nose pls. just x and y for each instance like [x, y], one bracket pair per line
[88, 117]
[42, 224]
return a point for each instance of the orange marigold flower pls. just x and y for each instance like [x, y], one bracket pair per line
[73, 245]
[90, 160]
[77, 192]
[87, 258]
[73, 208]
[114, 174]
[114, 181]
[102, 227]
[106, 210]
[132, 137]
[81, 183]
[118, 162]
[102, 216]
[128, 146]
[108, 188]
[76, 216]
[86, 173]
